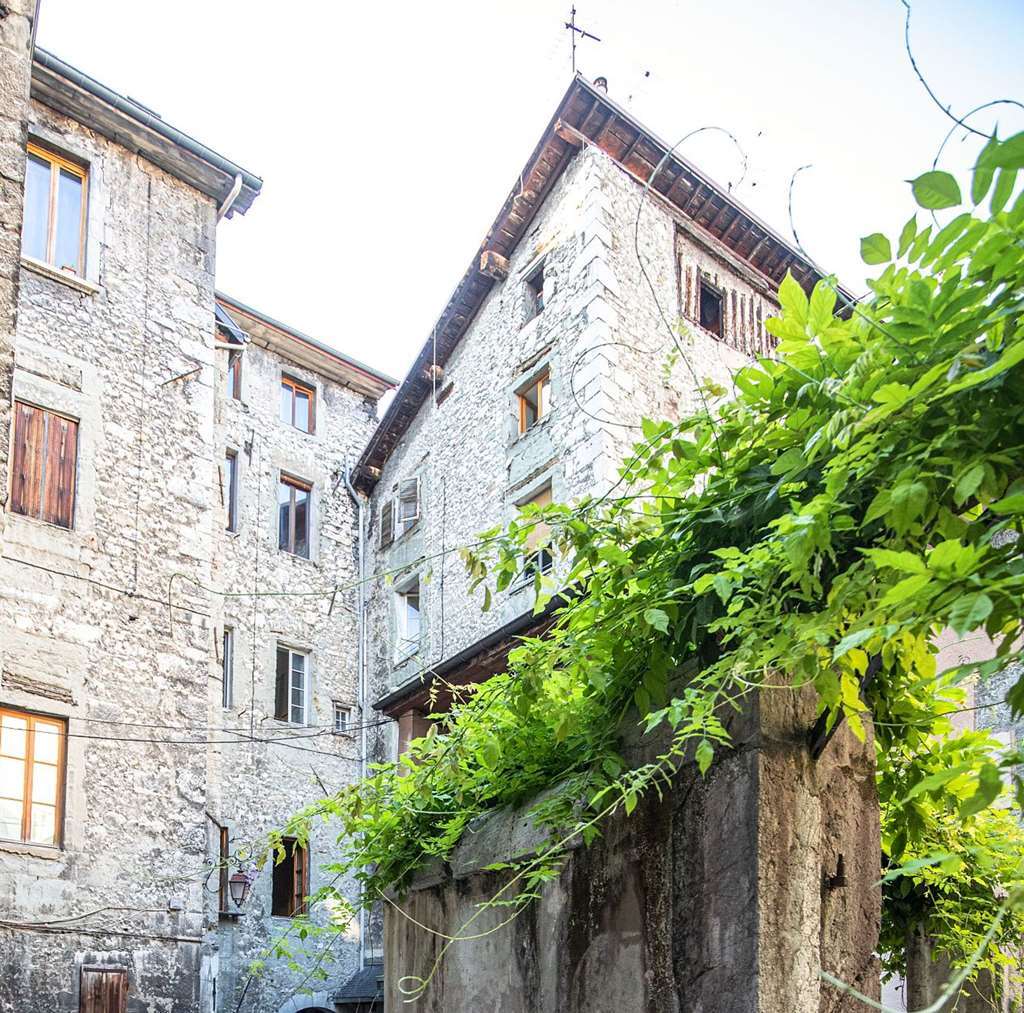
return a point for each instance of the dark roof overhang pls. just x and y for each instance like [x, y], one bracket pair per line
[585, 115]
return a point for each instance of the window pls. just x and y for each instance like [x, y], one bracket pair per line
[291, 881]
[291, 696]
[387, 523]
[534, 401]
[231, 492]
[298, 403]
[43, 465]
[408, 602]
[227, 665]
[103, 990]
[535, 292]
[538, 556]
[234, 378]
[53, 229]
[31, 777]
[710, 308]
[293, 504]
[342, 719]
[223, 859]
[408, 503]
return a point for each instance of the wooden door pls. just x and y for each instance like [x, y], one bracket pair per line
[103, 990]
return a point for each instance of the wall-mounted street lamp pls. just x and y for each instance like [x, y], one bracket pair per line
[238, 887]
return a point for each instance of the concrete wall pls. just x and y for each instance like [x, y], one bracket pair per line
[730, 893]
[611, 361]
[255, 788]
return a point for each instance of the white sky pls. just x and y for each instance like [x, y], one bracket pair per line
[388, 134]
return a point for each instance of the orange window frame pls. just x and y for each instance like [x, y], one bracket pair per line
[536, 385]
[58, 162]
[295, 386]
[32, 720]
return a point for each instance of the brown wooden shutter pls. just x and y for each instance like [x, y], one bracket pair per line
[299, 883]
[59, 480]
[27, 467]
[103, 990]
[283, 680]
[387, 523]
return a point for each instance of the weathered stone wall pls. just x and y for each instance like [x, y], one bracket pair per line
[612, 362]
[15, 75]
[730, 893]
[256, 787]
[83, 631]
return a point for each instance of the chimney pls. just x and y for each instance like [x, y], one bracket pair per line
[601, 84]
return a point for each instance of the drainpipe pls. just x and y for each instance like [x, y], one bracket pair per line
[236, 189]
[361, 662]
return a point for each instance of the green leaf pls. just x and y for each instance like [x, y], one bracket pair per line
[657, 618]
[968, 483]
[793, 299]
[990, 784]
[906, 588]
[936, 190]
[704, 755]
[907, 236]
[908, 562]
[822, 305]
[1013, 504]
[906, 504]
[1010, 153]
[969, 612]
[984, 170]
[1005, 182]
[937, 780]
[852, 640]
[875, 249]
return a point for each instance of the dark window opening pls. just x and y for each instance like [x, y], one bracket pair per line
[710, 309]
[535, 292]
[227, 663]
[231, 492]
[223, 855]
[291, 883]
[293, 502]
[234, 385]
[540, 561]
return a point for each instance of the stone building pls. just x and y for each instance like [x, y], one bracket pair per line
[533, 382]
[176, 675]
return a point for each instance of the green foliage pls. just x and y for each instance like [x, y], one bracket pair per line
[860, 493]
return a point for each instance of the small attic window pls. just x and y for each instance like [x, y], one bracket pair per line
[535, 292]
[710, 308]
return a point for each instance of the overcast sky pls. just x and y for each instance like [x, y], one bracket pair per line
[388, 134]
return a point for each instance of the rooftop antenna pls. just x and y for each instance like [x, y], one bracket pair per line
[574, 30]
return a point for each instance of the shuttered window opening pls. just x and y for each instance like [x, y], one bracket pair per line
[44, 465]
[103, 990]
[408, 503]
[387, 524]
[291, 880]
[710, 308]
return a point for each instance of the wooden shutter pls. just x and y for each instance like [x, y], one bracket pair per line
[43, 470]
[387, 523]
[299, 882]
[59, 482]
[409, 502]
[103, 990]
[27, 468]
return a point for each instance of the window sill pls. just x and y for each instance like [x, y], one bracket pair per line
[40, 267]
[32, 850]
[295, 555]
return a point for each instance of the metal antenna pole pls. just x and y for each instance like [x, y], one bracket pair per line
[575, 30]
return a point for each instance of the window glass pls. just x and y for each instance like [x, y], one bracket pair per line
[30, 777]
[227, 667]
[284, 512]
[286, 403]
[297, 702]
[301, 545]
[231, 492]
[67, 250]
[37, 207]
[301, 411]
